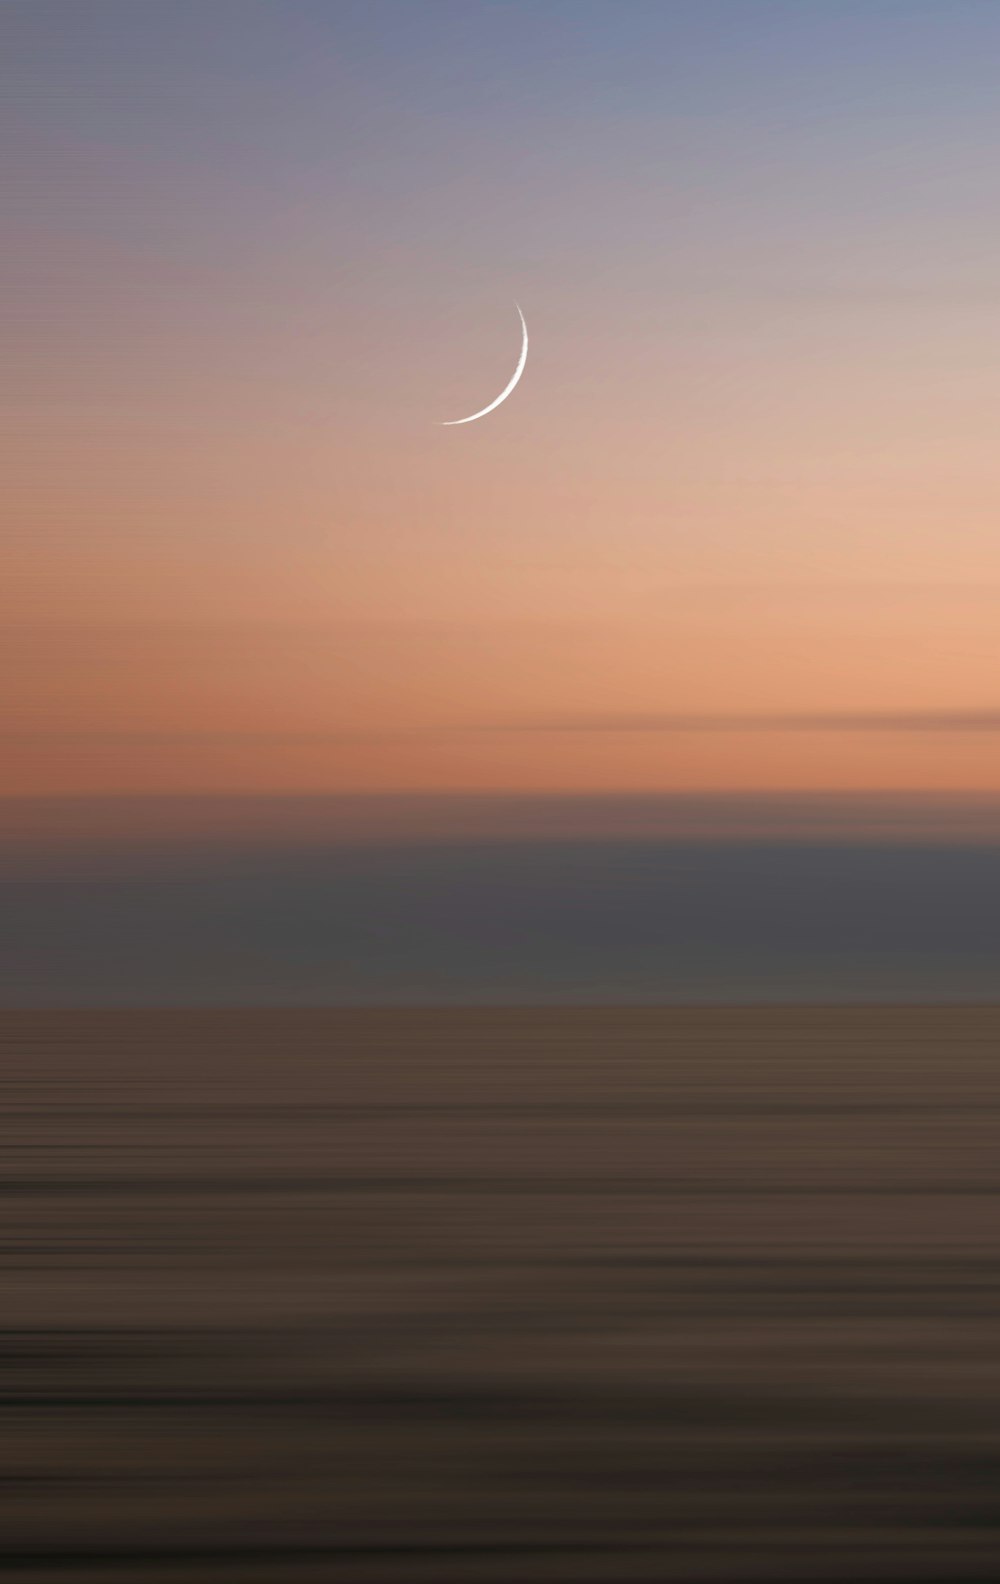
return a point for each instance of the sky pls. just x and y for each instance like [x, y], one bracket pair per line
[736, 529]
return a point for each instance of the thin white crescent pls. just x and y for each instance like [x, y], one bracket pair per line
[448, 423]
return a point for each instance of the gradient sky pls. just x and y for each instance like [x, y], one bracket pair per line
[738, 526]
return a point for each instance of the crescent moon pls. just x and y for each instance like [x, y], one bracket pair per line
[448, 423]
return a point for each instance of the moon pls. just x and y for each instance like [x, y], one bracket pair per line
[448, 423]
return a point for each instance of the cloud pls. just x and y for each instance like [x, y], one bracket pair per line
[186, 739]
[943, 720]
[956, 721]
[953, 722]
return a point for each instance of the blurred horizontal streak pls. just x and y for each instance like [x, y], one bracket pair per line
[933, 721]
[256, 902]
[39, 823]
[946, 720]
[595, 1294]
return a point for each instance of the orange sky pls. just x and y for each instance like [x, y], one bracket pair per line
[751, 468]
